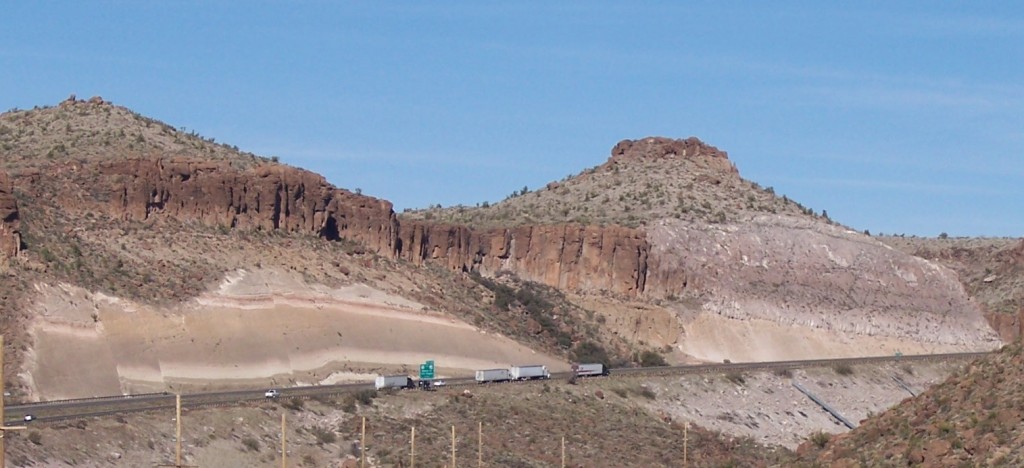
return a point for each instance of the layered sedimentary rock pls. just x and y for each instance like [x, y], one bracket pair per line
[802, 273]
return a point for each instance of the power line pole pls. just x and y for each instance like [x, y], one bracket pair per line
[412, 449]
[686, 427]
[453, 446]
[177, 423]
[563, 451]
[284, 442]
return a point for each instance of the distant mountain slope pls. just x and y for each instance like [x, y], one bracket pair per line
[643, 180]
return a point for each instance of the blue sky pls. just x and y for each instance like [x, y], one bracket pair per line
[895, 117]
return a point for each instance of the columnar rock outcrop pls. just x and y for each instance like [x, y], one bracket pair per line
[570, 257]
[266, 197]
[10, 235]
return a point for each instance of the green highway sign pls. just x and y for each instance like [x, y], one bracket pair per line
[427, 370]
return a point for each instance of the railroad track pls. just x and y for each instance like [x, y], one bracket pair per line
[64, 410]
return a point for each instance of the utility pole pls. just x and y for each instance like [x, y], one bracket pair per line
[412, 449]
[563, 451]
[4, 427]
[480, 444]
[686, 427]
[362, 446]
[453, 446]
[177, 423]
[177, 420]
[284, 442]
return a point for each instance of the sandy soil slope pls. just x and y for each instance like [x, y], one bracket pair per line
[258, 328]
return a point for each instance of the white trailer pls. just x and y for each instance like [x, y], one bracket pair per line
[393, 381]
[529, 372]
[493, 375]
[587, 370]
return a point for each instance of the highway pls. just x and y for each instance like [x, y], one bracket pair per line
[54, 411]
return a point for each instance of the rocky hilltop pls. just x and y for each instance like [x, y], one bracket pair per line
[641, 181]
[748, 274]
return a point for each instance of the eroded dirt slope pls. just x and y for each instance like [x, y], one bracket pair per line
[262, 328]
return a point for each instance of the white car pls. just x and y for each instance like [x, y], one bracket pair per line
[29, 417]
[272, 393]
[439, 383]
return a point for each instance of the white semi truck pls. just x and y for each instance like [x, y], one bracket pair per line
[529, 372]
[493, 375]
[393, 381]
[589, 370]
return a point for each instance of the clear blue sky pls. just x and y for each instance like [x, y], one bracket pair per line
[896, 117]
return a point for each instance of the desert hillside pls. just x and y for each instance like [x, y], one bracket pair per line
[122, 233]
[139, 257]
[746, 274]
[642, 180]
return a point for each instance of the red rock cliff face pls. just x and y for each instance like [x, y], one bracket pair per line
[271, 197]
[569, 257]
[265, 197]
[10, 237]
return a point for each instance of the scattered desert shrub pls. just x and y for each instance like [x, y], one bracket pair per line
[651, 359]
[843, 369]
[590, 352]
[784, 373]
[251, 444]
[294, 404]
[323, 435]
[365, 397]
[736, 378]
[646, 392]
[820, 438]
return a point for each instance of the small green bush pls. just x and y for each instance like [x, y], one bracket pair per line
[652, 359]
[820, 438]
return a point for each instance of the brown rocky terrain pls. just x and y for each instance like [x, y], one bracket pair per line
[972, 419]
[140, 258]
